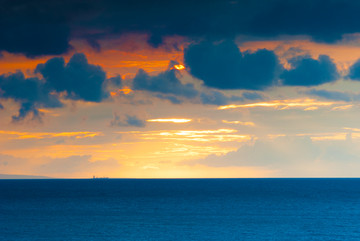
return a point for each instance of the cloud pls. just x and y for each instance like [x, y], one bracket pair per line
[80, 80]
[31, 93]
[214, 98]
[281, 104]
[34, 39]
[34, 28]
[334, 95]
[129, 120]
[354, 71]
[243, 123]
[24, 110]
[307, 71]
[252, 96]
[76, 80]
[221, 135]
[224, 66]
[170, 98]
[293, 156]
[49, 26]
[164, 83]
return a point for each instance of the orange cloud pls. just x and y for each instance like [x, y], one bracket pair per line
[343, 107]
[282, 104]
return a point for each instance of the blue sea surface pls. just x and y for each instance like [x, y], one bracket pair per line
[180, 209]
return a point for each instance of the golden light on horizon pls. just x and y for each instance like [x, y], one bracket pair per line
[170, 120]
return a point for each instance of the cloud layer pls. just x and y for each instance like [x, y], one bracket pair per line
[49, 26]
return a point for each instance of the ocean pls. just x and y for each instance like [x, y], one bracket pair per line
[180, 209]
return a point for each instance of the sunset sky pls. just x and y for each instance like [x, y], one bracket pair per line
[189, 89]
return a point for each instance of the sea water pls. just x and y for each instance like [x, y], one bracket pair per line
[180, 209]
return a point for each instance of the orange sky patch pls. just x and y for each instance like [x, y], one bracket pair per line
[344, 55]
[116, 57]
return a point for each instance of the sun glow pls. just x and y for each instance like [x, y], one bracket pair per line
[179, 66]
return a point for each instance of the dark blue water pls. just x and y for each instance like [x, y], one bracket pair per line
[189, 209]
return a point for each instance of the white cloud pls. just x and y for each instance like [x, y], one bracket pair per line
[294, 157]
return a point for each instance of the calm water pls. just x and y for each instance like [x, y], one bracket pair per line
[190, 209]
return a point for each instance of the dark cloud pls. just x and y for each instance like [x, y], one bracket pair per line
[134, 121]
[164, 83]
[31, 93]
[22, 89]
[33, 39]
[214, 98]
[252, 96]
[45, 27]
[224, 66]
[25, 109]
[34, 28]
[307, 71]
[129, 120]
[77, 80]
[170, 98]
[80, 80]
[334, 95]
[114, 81]
[1, 106]
[354, 71]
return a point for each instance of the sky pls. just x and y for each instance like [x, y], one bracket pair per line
[168, 89]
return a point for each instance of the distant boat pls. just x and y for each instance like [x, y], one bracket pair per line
[95, 177]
